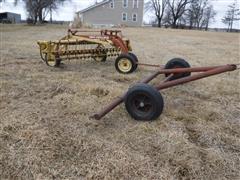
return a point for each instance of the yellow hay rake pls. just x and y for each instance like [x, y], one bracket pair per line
[76, 45]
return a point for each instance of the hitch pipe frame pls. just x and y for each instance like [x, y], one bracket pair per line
[205, 72]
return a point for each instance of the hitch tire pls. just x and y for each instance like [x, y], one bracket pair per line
[144, 103]
[177, 63]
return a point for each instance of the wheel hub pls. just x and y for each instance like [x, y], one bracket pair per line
[141, 104]
[125, 65]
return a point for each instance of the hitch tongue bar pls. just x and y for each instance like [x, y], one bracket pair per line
[212, 72]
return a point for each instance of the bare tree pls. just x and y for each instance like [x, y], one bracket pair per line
[232, 15]
[176, 10]
[208, 15]
[158, 7]
[39, 9]
[195, 12]
[199, 14]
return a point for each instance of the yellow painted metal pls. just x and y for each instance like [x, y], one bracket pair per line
[49, 47]
[125, 65]
[72, 46]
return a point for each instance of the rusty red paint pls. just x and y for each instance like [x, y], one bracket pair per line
[205, 72]
[113, 35]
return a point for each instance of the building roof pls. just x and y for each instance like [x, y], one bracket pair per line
[93, 6]
[9, 13]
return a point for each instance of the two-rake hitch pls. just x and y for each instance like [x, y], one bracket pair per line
[145, 102]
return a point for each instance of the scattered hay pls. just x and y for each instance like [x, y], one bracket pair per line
[46, 132]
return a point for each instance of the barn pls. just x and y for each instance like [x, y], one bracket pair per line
[9, 17]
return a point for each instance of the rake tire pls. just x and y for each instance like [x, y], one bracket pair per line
[57, 61]
[103, 52]
[136, 60]
[125, 64]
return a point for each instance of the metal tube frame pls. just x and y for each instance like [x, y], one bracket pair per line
[203, 73]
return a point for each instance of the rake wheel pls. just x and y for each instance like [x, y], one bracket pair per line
[101, 55]
[125, 64]
[136, 60]
[53, 61]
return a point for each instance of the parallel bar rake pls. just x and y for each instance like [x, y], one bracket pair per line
[76, 45]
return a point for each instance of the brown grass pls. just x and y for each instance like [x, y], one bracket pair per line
[46, 133]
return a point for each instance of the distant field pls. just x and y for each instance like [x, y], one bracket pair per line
[46, 132]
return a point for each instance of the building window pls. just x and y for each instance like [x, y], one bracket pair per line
[124, 16]
[125, 3]
[112, 4]
[134, 17]
[135, 3]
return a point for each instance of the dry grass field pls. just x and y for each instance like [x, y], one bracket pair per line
[46, 132]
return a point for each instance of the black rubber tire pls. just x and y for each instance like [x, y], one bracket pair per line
[130, 60]
[57, 64]
[177, 63]
[144, 103]
[136, 60]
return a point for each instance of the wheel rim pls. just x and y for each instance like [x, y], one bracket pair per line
[98, 58]
[51, 61]
[101, 54]
[125, 65]
[142, 104]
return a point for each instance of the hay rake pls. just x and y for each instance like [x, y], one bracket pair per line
[76, 45]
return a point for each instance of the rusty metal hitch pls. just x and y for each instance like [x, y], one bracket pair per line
[139, 112]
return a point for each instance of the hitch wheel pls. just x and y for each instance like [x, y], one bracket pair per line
[53, 61]
[143, 102]
[125, 64]
[177, 63]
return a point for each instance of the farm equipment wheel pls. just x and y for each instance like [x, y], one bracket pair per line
[54, 61]
[177, 63]
[101, 55]
[136, 60]
[125, 63]
[144, 102]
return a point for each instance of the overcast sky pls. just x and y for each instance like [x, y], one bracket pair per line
[66, 12]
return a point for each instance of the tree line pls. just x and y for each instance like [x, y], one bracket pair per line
[192, 14]
[195, 14]
[232, 15]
